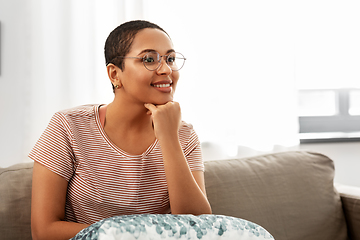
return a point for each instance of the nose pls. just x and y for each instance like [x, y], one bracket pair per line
[164, 68]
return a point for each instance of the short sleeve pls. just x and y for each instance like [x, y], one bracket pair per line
[53, 149]
[192, 148]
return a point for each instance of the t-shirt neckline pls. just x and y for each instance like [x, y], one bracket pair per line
[111, 144]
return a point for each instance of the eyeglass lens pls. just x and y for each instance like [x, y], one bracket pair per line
[174, 60]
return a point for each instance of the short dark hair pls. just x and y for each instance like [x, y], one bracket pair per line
[120, 40]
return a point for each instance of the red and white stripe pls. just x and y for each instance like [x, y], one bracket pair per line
[104, 180]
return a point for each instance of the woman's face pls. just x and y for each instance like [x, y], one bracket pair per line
[138, 83]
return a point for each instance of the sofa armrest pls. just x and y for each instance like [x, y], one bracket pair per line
[15, 201]
[350, 198]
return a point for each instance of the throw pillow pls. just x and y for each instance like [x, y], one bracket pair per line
[167, 226]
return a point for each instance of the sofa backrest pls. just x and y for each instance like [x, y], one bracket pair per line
[15, 201]
[291, 194]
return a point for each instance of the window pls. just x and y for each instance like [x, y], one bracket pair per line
[327, 72]
[329, 115]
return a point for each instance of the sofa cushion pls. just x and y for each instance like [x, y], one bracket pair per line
[291, 194]
[15, 199]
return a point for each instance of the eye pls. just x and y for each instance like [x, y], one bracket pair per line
[151, 58]
[148, 59]
[171, 59]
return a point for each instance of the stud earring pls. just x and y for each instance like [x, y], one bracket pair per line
[116, 86]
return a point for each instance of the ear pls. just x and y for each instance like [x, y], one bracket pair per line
[114, 74]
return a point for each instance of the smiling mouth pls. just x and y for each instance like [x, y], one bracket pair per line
[161, 85]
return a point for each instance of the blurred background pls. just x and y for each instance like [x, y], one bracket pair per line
[261, 76]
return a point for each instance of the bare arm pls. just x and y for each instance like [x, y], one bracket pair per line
[48, 206]
[186, 189]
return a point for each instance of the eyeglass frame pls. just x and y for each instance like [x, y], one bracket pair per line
[161, 56]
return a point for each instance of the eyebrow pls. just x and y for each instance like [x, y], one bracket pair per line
[153, 50]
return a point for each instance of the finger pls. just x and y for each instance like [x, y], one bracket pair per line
[150, 107]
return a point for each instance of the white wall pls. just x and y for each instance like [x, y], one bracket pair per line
[15, 71]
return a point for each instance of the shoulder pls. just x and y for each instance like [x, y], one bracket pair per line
[190, 143]
[186, 125]
[76, 113]
[187, 133]
[186, 128]
[73, 118]
[83, 110]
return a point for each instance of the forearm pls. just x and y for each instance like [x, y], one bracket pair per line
[58, 230]
[186, 196]
[186, 188]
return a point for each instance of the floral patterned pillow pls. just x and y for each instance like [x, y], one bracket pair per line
[167, 226]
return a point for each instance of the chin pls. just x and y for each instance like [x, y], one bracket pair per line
[162, 102]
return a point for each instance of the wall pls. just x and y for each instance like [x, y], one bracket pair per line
[15, 70]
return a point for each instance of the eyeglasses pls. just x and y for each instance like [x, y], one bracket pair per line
[152, 60]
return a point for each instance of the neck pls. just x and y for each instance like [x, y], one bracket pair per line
[121, 115]
[129, 127]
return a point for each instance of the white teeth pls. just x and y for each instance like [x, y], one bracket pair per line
[162, 85]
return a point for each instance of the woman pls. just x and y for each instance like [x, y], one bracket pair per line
[132, 156]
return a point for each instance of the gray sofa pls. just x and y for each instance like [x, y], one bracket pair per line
[291, 194]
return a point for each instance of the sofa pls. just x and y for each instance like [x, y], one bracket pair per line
[290, 194]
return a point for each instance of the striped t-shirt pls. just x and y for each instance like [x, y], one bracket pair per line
[103, 180]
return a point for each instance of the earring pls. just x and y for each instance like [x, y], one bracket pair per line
[116, 86]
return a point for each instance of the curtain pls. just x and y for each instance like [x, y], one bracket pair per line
[67, 56]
